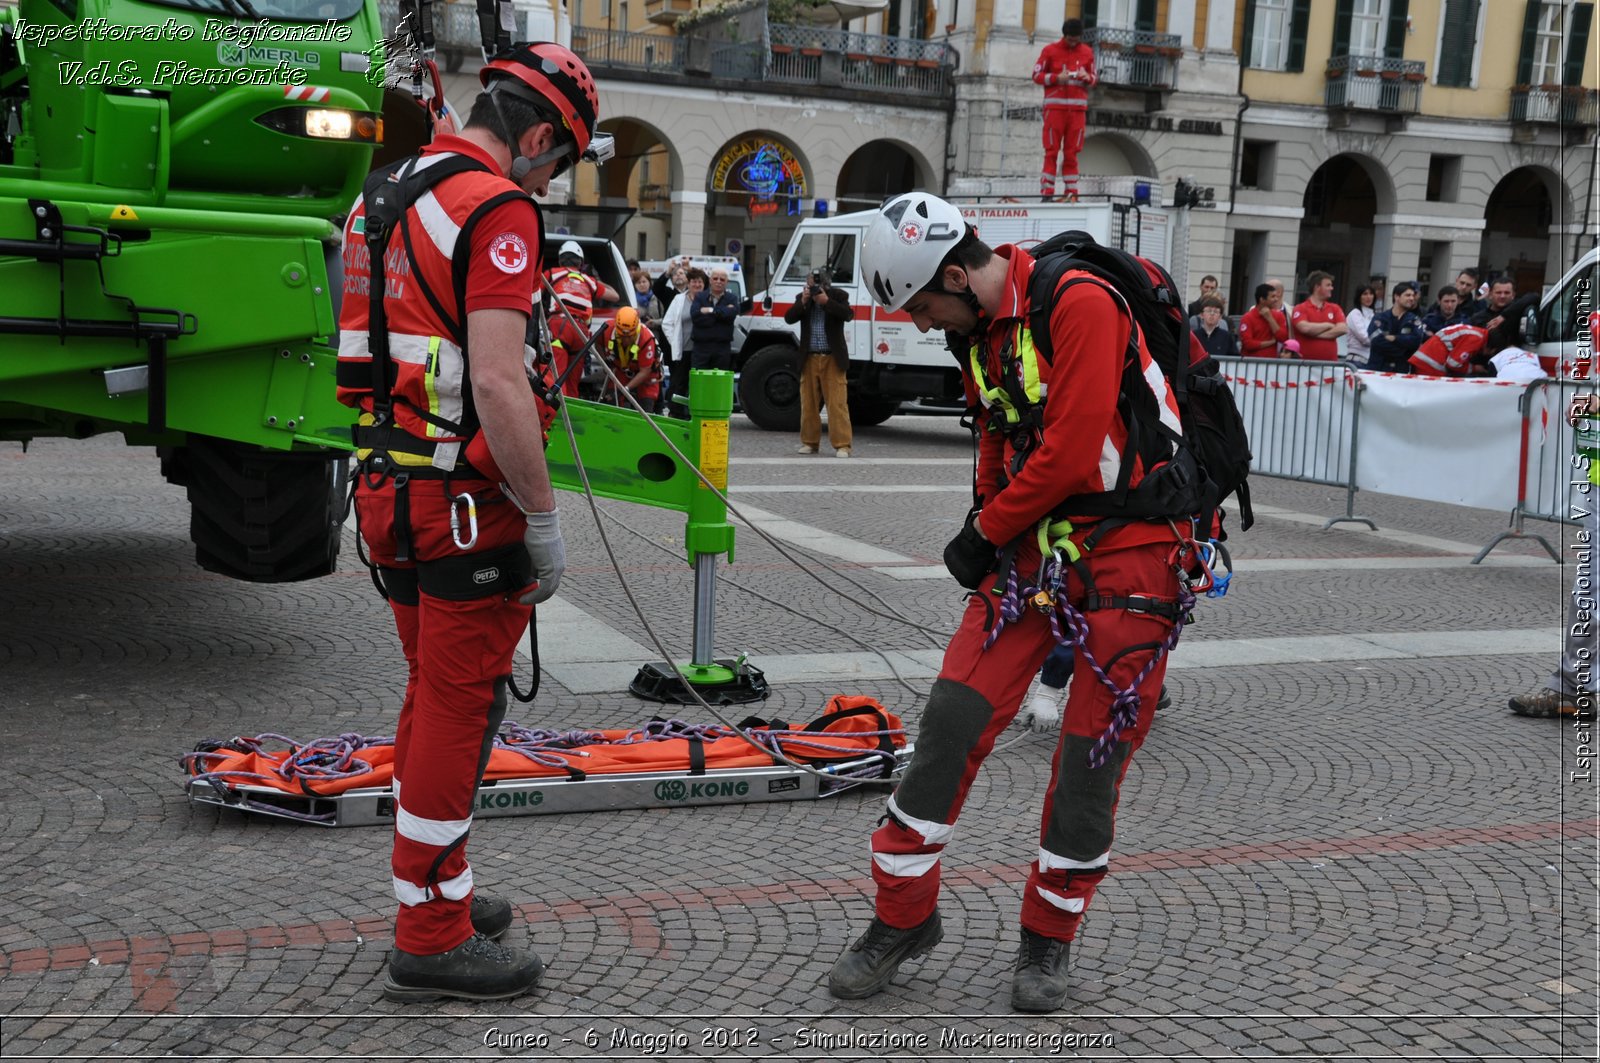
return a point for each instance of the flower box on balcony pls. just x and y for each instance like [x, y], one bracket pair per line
[1110, 46]
[666, 12]
[1366, 72]
[1170, 53]
[1144, 49]
[1390, 75]
[1416, 76]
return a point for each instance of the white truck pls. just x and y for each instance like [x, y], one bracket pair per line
[890, 361]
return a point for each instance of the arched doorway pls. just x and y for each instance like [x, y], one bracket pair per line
[1517, 224]
[1114, 155]
[1337, 230]
[758, 188]
[876, 171]
[638, 178]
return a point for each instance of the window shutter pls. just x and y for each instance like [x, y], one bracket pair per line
[1248, 37]
[1145, 17]
[1578, 44]
[1530, 34]
[1459, 43]
[1344, 12]
[1091, 12]
[1394, 39]
[1299, 23]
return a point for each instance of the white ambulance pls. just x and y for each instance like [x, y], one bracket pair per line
[890, 361]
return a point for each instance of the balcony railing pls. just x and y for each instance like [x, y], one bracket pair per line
[1375, 83]
[1564, 105]
[652, 53]
[791, 55]
[816, 55]
[1135, 59]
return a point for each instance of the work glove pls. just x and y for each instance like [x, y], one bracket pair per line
[1042, 711]
[969, 556]
[548, 553]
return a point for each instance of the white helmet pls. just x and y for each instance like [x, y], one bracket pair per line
[571, 247]
[905, 245]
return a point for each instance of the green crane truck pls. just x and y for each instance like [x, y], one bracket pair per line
[171, 174]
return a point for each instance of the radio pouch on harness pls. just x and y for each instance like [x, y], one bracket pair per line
[1214, 448]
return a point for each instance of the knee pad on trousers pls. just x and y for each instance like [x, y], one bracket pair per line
[952, 723]
[1083, 804]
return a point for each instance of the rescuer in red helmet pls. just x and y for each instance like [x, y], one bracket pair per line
[454, 501]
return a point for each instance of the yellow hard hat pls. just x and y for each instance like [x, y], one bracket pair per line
[627, 321]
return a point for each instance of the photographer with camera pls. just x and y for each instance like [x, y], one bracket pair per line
[822, 311]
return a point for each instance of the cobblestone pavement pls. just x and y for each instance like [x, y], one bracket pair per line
[1336, 845]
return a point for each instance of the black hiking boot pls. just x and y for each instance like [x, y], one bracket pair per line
[1040, 982]
[491, 915]
[476, 969]
[1164, 702]
[867, 966]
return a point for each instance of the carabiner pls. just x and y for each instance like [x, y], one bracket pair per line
[1219, 584]
[472, 521]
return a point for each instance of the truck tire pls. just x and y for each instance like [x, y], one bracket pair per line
[769, 388]
[264, 516]
[869, 410]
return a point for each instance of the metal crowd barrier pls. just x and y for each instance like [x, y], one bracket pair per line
[1303, 419]
[1552, 478]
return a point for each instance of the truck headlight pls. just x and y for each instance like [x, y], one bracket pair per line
[326, 123]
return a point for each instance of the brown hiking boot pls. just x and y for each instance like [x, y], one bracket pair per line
[1547, 703]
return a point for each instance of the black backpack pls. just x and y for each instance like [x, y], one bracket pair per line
[1214, 439]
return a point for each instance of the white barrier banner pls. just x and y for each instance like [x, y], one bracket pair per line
[1440, 439]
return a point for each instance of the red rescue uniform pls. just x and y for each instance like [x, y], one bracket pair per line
[627, 355]
[1314, 349]
[578, 292]
[979, 691]
[1067, 73]
[458, 653]
[1449, 351]
[1259, 340]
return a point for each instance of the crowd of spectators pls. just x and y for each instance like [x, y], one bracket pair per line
[1469, 329]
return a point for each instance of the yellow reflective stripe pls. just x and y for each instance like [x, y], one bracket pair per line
[430, 385]
[1028, 356]
[992, 396]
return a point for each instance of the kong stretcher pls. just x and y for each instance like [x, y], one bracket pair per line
[344, 781]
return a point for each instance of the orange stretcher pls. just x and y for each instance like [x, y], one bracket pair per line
[345, 780]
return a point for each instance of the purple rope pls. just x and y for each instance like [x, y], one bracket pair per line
[1124, 701]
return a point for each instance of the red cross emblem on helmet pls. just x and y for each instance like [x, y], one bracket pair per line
[910, 232]
[509, 253]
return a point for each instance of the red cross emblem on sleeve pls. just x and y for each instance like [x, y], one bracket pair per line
[509, 253]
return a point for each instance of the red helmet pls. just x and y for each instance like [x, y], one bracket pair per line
[548, 74]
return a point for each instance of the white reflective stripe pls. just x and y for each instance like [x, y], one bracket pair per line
[403, 347]
[429, 831]
[1066, 904]
[395, 786]
[1158, 386]
[1418, 356]
[442, 230]
[1110, 464]
[1060, 101]
[448, 377]
[932, 833]
[353, 346]
[906, 865]
[460, 887]
[407, 894]
[576, 300]
[454, 889]
[1049, 861]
